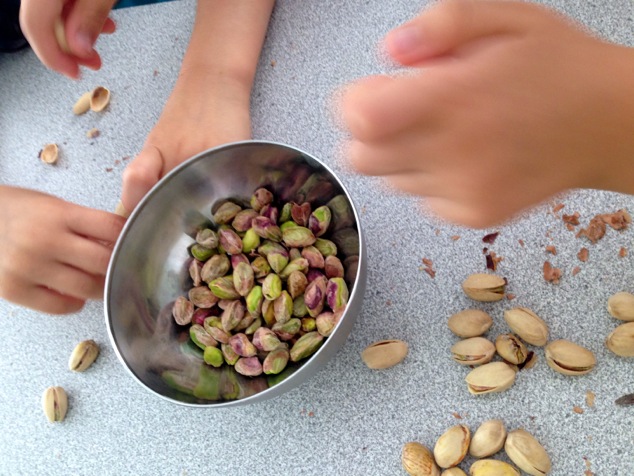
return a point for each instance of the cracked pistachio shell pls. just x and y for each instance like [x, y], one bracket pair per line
[418, 460]
[55, 403]
[470, 323]
[473, 351]
[83, 355]
[511, 348]
[527, 453]
[621, 340]
[488, 439]
[384, 354]
[527, 325]
[49, 153]
[492, 467]
[453, 472]
[490, 378]
[99, 98]
[621, 306]
[484, 287]
[452, 446]
[569, 358]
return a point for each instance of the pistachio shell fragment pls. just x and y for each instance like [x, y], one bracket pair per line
[83, 104]
[473, 351]
[621, 306]
[55, 403]
[99, 98]
[484, 287]
[527, 453]
[49, 153]
[417, 460]
[384, 354]
[470, 323]
[527, 325]
[60, 36]
[488, 439]
[121, 211]
[489, 378]
[83, 355]
[511, 348]
[492, 467]
[621, 340]
[569, 358]
[453, 472]
[452, 446]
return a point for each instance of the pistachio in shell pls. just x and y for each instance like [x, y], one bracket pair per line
[484, 287]
[527, 325]
[83, 355]
[621, 340]
[455, 471]
[621, 306]
[569, 358]
[99, 98]
[511, 348]
[49, 153]
[473, 351]
[417, 460]
[384, 354]
[470, 323]
[488, 439]
[492, 467]
[490, 378]
[527, 453]
[55, 403]
[452, 446]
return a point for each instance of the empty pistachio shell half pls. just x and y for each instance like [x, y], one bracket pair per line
[569, 358]
[49, 153]
[453, 472]
[511, 348]
[470, 323]
[492, 467]
[621, 340]
[473, 351]
[527, 453]
[83, 104]
[489, 378]
[488, 439]
[452, 446]
[484, 287]
[527, 325]
[83, 355]
[55, 403]
[384, 353]
[417, 460]
[621, 306]
[99, 98]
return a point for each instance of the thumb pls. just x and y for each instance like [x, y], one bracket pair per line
[450, 25]
[85, 22]
[141, 175]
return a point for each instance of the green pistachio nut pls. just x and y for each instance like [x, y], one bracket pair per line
[314, 257]
[207, 238]
[268, 312]
[226, 213]
[255, 325]
[216, 267]
[246, 321]
[306, 345]
[254, 300]
[202, 297]
[201, 337]
[183, 310]
[299, 307]
[272, 287]
[319, 220]
[287, 225]
[264, 339]
[325, 247]
[275, 361]
[242, 346]
[243, 278]
[223, 288]
[194, 272]
[237, 259]
[230, 241]
[250, 241]
[278, 260]
[287, 330]
[285, 214]
[309, 324]
[341, 211]
[229, 354]
[300, 213]
[333, 267]
[315, 296]
[266, 229]
[347, 241]
[260, 267]
[296, 283]
[260, 198]
[298, 237]
[337, 293]
[208, 384]
[294, 253]
[213, 356]
[248, 366]
[326, 322]
[232, 315]
[242, 221]
[283, 307]
[298, 264]
[201, 253]
[180, 381]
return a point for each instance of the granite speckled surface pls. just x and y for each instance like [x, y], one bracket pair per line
[346, 419]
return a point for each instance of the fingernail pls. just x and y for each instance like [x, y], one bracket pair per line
[85, 43]
[404, 40]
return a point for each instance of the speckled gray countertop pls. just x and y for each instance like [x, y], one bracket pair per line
[347, 419]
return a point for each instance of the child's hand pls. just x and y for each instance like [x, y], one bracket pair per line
[54, 254]
[201, 113]
[511, 104]
[78, 23]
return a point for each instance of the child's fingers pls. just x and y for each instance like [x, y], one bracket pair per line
[85, 22]
[87, 255]
[378, 159]
[109, 26]
[451, 24]
[94, 224]
[40, 298]
[72, 282]
[141, 175]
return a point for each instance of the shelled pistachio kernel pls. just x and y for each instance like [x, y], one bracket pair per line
[484, 287]
[83, 355]
[527, 453]
[55, 403]
[417, 460]
[384, 354]
[569, 358]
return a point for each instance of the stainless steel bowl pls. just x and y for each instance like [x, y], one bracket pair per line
[148, 270]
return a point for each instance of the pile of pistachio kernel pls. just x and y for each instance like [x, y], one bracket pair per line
[268, 286]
